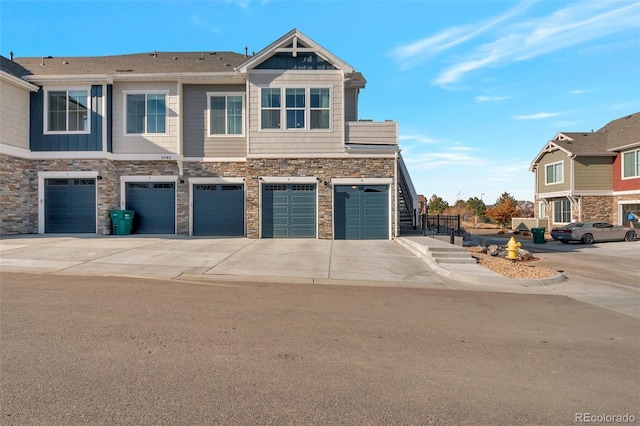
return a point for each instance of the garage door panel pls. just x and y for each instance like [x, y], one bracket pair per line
[218, 210]
[70, 206]
[154, 206]
[361, 212]
[288, 211]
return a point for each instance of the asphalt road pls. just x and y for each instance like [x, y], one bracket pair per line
[108, 350]
[613, 262]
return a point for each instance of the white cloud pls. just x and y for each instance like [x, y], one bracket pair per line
[537, 116]
[419, 138]
[492, 98]
[517, 41]
[419, 51]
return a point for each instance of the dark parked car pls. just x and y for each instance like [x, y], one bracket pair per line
[590, 232]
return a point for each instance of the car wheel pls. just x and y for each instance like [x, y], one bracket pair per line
[587, 239]
[630, 236]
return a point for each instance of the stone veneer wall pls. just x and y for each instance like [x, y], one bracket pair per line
[322, 168]
[598, 208]
[18, 196]
[19, 179]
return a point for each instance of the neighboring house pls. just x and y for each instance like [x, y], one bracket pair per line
[206, 143]
[591, 175]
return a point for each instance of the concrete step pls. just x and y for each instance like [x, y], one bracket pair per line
[439, 251]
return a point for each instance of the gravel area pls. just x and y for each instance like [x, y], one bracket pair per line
[509, 268]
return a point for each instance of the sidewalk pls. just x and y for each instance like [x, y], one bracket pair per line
[404, 262]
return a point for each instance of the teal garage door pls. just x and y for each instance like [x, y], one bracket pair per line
[69, 205]
[361, 212]
[218, 210]
[289, 210]
[154, 204]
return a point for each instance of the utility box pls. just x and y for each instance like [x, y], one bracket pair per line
[121, 221]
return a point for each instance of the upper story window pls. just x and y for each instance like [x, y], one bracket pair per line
[145, 112]
[270, 105]
[631, 164]
[226, 114]
[305, 108]
[295, 108]
[320, 108]
[67, 111]
[554, 173]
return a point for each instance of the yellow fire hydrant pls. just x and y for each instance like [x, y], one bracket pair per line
[512, 249]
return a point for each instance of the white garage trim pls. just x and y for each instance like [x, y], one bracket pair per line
[42, 176]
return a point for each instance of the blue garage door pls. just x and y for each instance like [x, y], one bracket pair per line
[218, 210]
[361, 212]
[288, 211]
[70, 205]
[154, 204]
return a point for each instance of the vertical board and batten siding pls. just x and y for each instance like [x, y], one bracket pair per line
[350, 105]
[166, 143]
[554, 157]
[14, 110]
[196, 142]
[296, 141]
[66, 142]
[593, 173]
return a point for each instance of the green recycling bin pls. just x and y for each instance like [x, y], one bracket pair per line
[538, 235]
[121, 221]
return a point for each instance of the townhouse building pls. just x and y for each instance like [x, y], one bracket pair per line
[590, 176]
[199, 143]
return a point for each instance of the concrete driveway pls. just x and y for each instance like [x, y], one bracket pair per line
[232, 259]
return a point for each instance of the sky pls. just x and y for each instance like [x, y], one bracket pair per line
[477, 87]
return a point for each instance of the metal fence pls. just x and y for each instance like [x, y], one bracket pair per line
[435, 224]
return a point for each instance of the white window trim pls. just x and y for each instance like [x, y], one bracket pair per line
[45, 110]
[553, 213]
[622, 164]
[545, 173]
[307, 109]
[42, 176]
[145, 92]
[542, 208]
[244, 114]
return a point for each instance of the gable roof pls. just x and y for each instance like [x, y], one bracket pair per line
[622, 133]
[294, 41]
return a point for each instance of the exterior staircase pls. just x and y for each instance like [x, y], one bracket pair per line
[407, 206]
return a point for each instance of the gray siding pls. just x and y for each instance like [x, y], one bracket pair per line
[351, 105]
[593, 173]
[196, 143]
[296, 141]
